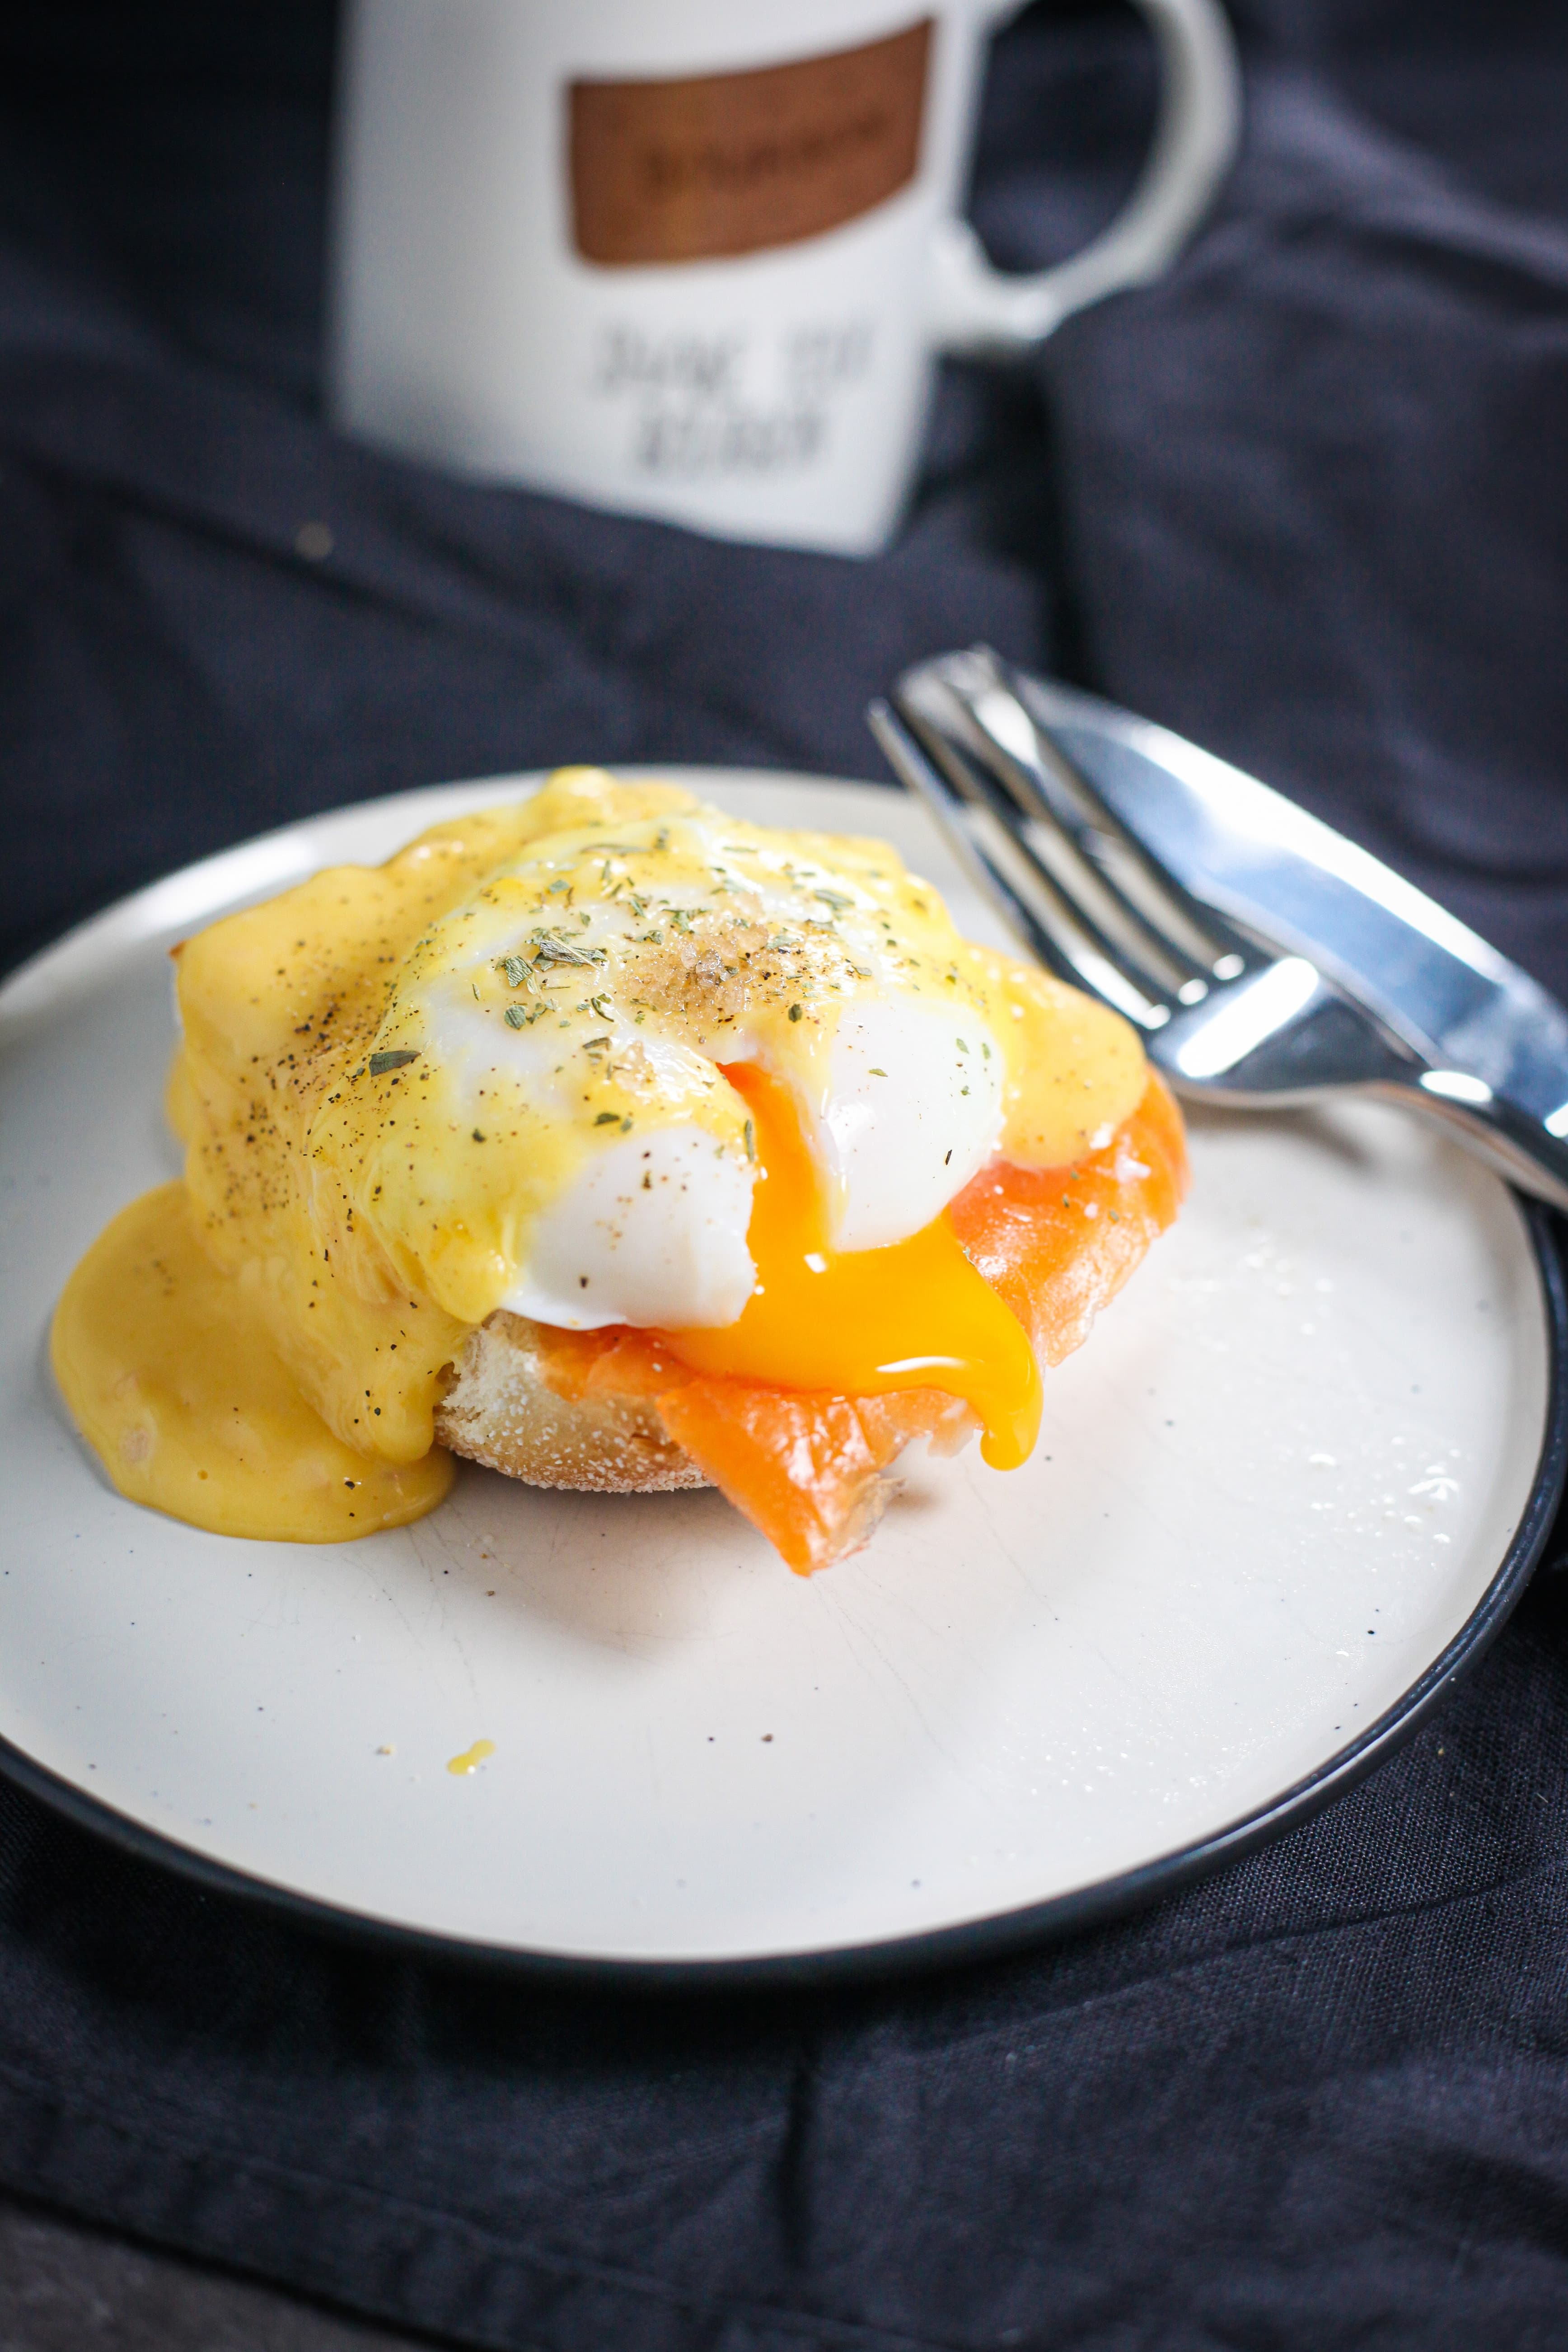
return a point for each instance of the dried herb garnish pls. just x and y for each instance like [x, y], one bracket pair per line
[551, 949]
[606, 1119]
[398, 1059]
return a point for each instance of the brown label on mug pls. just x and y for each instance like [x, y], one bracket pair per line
[733, 163]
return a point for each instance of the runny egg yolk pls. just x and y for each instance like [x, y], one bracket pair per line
[913, 1315]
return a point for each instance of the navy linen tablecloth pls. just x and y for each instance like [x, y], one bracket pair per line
[1306, 500]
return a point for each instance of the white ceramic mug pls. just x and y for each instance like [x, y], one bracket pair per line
[693, 259]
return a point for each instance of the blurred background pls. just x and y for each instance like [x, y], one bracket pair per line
[1223, 501]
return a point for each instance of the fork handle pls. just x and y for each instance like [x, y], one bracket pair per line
[1517, 1144]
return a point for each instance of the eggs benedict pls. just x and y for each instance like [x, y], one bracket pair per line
[617, 1143]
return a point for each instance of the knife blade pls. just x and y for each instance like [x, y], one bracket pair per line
[1261, 859]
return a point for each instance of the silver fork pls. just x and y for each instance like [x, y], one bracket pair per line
[1226, 1015]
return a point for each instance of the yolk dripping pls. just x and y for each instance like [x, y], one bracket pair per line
[914, 1314]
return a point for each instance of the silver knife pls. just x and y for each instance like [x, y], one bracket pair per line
[1257, 857]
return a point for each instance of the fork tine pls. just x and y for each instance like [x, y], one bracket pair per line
[1053, 926]
[956, 739]
[995, 699]
[960, 750]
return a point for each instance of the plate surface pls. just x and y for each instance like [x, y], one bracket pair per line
[1296, 1476]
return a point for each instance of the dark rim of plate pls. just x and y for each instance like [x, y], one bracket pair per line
[975, 1939]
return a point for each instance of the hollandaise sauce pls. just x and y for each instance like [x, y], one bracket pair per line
[173, 1380]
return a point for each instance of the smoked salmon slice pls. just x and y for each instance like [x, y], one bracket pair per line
[807, 1469]
[1058, 1242]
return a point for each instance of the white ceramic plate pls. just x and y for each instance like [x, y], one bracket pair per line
[1296, 1479]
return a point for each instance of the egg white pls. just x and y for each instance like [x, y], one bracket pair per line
[651, 1233]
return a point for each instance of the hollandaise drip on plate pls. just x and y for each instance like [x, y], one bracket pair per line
[732, 1118]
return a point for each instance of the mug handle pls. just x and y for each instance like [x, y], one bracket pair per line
[984, 312]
